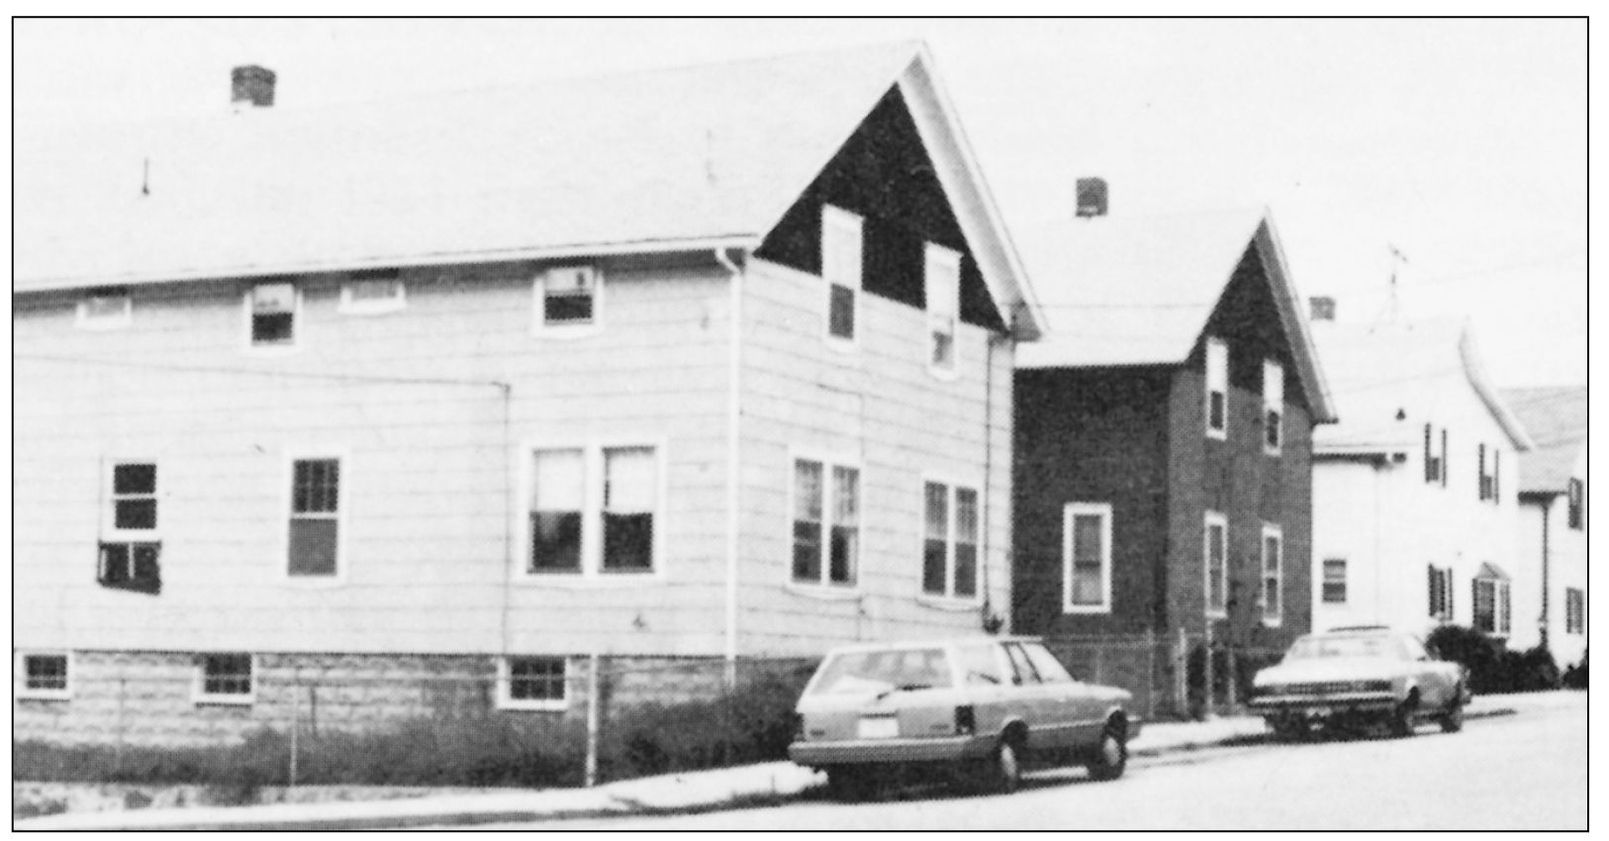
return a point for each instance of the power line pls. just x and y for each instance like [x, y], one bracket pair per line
[223, 369]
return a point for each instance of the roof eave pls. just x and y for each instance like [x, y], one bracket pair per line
[1475, 370]
[1272, 252]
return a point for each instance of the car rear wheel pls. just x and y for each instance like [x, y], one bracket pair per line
[1111, 754]
[1452, 719]
[1290, 728]
[1401, 720]
[1002, 772]
[848, 783]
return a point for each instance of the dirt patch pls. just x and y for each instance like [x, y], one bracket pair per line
[35, 799]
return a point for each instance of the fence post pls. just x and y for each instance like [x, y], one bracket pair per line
[1150, 674]
[117, 744]
[592, 721]
[1232, 677]
[296, 724]
[1181, 674]
[1206, 672]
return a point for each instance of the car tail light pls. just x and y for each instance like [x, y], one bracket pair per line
[966, 722]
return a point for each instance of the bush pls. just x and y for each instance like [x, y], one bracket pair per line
[1575, 677]
[1492, 667]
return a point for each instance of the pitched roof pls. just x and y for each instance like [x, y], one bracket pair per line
[1139, 291]
[1377, 371]
[677, 159]
[1556, 418]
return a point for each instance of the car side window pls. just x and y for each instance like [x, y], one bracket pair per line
[1049, 668]
[980, 664]
[1023, 670]
[1413, 649]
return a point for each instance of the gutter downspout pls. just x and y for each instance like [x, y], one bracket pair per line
[1546, 508]
[734, 473]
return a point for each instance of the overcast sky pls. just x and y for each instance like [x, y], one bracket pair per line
[1462, 143]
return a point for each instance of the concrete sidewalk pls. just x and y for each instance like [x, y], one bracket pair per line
[674, 793]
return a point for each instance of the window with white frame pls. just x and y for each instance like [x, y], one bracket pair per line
[1488, 481]
[532, 683]
[313, 548]
[1441, 592]
[950, 532]
[943, 280]
[1334, 582]
[1273, 406]
[224, 678]
[568, 297]
[826, 523]
[130, 546]
[1492, 608]
[592, 510]
[1273, 579]
[1215, 562]
[841, 246]
[1087, 557]
[1577, 503]
[272, 309]
[105, 309]
[1575, 611]
[372, 292]
[45, 676]
[1217, 389]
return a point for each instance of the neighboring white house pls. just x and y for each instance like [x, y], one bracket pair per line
[1415, 490]
[1553, 514]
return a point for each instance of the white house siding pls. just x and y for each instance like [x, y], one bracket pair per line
[1414, 524]
[877, 406]
[430, 480]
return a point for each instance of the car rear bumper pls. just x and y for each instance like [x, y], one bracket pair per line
[869, 751]
[1322, 705]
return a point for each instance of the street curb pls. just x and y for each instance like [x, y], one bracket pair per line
[620, 807]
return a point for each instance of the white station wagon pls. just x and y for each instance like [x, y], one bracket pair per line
[984, 706]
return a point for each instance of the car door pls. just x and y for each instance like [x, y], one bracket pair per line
[1435, 690]
[1074, 712]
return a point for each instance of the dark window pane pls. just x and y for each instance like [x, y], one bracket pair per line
[134, 479]
[933, 567]
[1273, 428]
[115, 568]
[536, 679]
[841, 312]
[568, 309]
[1215, 410]
[48, 672]
[226, 674]
[806, 551]
[845, 549]
[966, 569]
[628, 542]
[272, 327]
[555, 541]
[130, 566]
[134, 513]
[316, 486]
[312, 546]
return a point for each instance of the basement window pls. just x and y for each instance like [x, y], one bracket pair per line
[45, 677]
[532, 683]
[105, 309]
[272, 308]
[224, 679]
[841, 267]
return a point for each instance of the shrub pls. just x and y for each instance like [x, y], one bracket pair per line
[1492, 667]
[1575, 677]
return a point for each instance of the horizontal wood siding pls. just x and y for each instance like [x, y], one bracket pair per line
[429, 481]
[879, 407]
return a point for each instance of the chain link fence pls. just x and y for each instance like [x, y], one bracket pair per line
[1169, 676]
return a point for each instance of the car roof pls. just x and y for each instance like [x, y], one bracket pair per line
[1359, 631]
[943, 642]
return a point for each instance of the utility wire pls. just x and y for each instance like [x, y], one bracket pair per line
[224, 369]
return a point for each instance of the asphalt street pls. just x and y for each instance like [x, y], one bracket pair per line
[1526, 771]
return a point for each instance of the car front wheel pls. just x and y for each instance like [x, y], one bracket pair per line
[1452, 719]
[1111, 755]
[1002, 773]
[848, 783]
[1401, 719]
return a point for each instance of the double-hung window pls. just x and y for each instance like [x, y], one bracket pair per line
[130, 547]
[1492, 608]
[592, 510]
[313, 547]
[271, 310]
[1334, 583]
[950, 532]
[1577, 502]
[943, 280]
[105, 309]
[1273, 578]
[1273, 406]
[841, 247]
[1215, 563]
[1087, 557]
[1435, 462]
[1217, 389]
[45, 676]
[1488, 481]
[568, 300]
[1575, 611]
[532, 683]
[826, 523]
[1441, 592]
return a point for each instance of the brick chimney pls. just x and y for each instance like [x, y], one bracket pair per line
[1091, 197]
[1323, 308]
[251, 87]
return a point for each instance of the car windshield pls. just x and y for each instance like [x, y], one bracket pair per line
[1309, 648]
[883, 671]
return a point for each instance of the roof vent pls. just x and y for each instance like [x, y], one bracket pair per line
[251, 87]
[1323, 308]
[1091, 197]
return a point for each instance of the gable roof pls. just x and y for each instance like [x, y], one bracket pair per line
[1378, 370]
[663, 160]
[1139, 291]
[1556, 418]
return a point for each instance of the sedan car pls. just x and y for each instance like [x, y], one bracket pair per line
[1354, 675]
[984, 706]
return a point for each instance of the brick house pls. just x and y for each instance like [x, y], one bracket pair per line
[1162, 473]
[696, 364]
[1552, 547]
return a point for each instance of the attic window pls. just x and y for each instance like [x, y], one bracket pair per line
[272, 308]
[1273, 406]
[943, 278]
[105, 309]
[373, 292]
[568, 299]
[1217, 389]
[841, 268]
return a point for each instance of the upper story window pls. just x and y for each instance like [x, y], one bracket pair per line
[1491, 612]
[1441, 593]
[1489, 488]
[1435, 460]
[1087, 557]
[313, 548]
[130, 546]
[272, 309]
[1577, 500]
[1273, 406]
[826, 523]
[569, 300]
[105, 309]
[1217, 389]
[369, 293]
[1273, 578]
[841, 246]
[942, 275]
[1214, 562]
[1575, 610]
[1334, 584]
[593, 510]
[950, 541]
